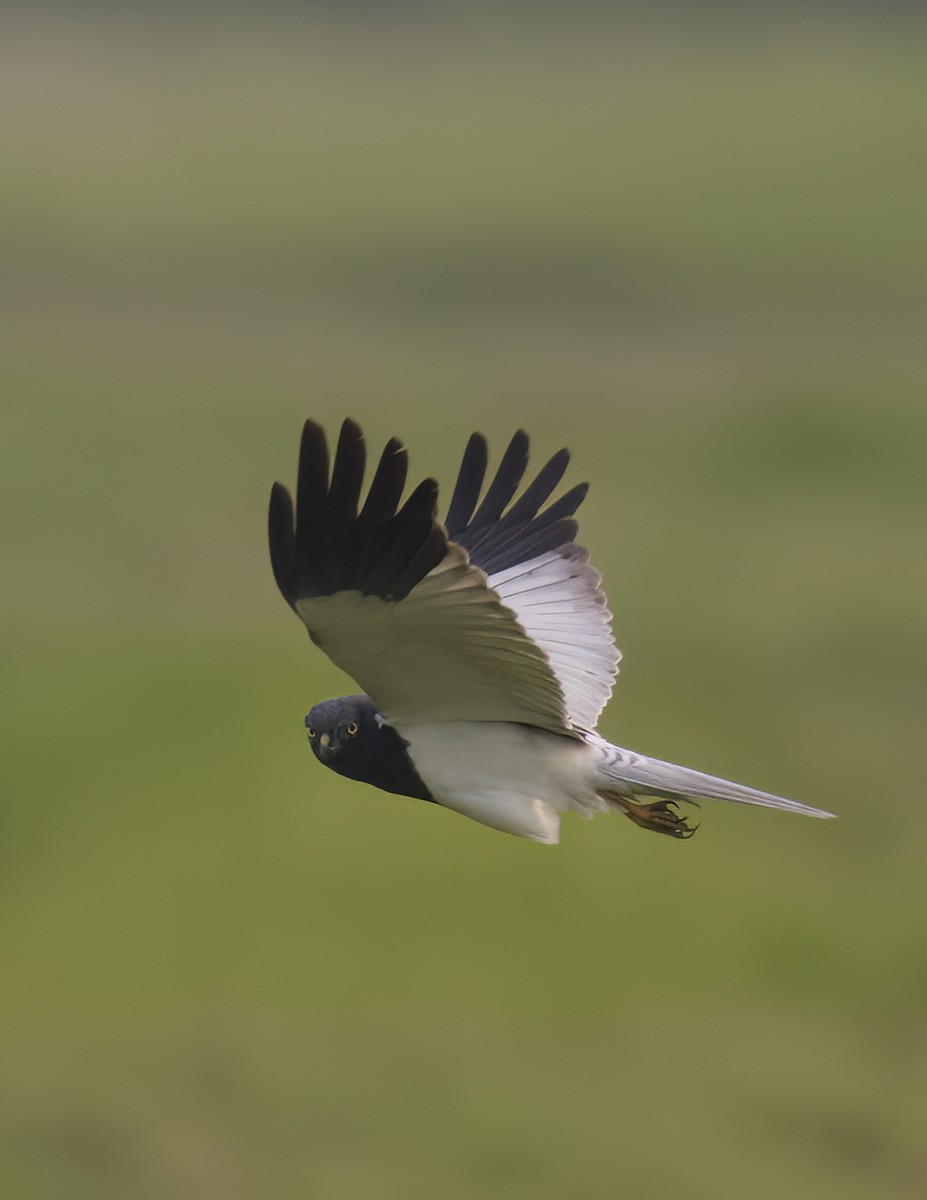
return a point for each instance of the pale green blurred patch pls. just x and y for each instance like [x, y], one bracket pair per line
[700, 261]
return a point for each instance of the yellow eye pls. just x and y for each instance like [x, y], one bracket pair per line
[352, 729]
[310, 731]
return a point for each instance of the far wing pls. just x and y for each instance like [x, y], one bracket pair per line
[537, 571]
[557, 600]
[397, 605]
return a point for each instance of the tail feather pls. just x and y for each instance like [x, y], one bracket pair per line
[634, 776]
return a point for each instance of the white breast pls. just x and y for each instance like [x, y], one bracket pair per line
[512, 777]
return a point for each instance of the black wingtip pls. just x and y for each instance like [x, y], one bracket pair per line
[312, 475]
[567, 504]
[385, 491]
[424, 499]
[469, 484]
[313, 440]
[528, 505]
[382, 551]
[347, 473]
[504, 531]
[280, 533]
[509, 475]
[350, 439]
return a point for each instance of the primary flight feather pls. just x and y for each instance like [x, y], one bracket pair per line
[483, 643]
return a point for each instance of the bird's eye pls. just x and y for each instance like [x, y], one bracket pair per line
[310, 731]
[352, 729]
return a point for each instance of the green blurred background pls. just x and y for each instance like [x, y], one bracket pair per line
[696, 252]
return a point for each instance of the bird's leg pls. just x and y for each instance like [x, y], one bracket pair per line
[660, 816]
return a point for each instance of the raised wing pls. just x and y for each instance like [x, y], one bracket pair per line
[537, 571]
[396, 604]
[497, 616]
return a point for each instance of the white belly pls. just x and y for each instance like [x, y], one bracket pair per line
[511, 777]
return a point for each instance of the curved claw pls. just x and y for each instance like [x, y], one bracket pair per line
[661, 816]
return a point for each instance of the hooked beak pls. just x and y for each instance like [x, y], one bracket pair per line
[328, 747]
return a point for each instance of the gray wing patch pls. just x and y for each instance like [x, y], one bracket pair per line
[557, 600]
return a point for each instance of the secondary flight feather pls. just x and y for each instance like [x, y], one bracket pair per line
[482, 643]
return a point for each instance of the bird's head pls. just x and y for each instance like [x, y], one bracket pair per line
[343, 731]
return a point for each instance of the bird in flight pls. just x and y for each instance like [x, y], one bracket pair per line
[482, 642]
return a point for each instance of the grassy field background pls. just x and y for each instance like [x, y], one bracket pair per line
[698, 256]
